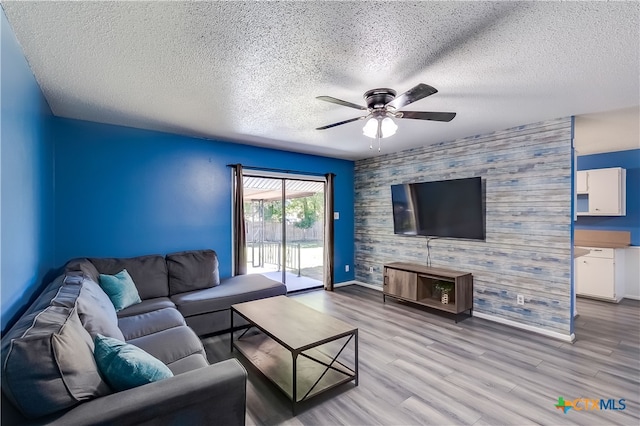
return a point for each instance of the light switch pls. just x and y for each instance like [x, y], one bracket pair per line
[336, 215]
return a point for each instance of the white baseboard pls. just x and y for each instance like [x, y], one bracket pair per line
[564, 337]
[553, 334]
[632, 297]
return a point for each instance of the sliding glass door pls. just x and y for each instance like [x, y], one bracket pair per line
[304, 233]
[284, 227]
[263, 222]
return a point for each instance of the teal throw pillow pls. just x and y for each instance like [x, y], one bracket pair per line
[121, 289]
[124, 366]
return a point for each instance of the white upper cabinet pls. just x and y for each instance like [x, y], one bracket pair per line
[603, 190]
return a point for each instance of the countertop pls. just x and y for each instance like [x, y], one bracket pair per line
[602, 239]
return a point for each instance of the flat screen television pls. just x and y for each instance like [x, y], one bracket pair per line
[446, 208]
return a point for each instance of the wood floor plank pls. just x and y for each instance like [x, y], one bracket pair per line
[455, 400]
[418, 367]
[424, 414]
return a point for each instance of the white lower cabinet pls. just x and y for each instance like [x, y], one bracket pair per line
[600, 274]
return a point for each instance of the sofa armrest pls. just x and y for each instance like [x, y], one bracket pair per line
[215, 394]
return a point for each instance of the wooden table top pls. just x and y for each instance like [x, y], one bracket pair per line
[292, 323]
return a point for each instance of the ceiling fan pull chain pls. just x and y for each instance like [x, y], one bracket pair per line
[379, 144]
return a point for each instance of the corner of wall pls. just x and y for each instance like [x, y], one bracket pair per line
[26, 199]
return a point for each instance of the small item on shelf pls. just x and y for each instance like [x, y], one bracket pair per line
[445, 288]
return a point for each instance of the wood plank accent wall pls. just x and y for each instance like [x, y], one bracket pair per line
[526, 176]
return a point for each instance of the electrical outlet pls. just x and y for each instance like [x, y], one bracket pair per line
[371, 269]
[520, 299]
[346, 268]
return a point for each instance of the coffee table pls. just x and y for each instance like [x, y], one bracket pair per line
[297, 348]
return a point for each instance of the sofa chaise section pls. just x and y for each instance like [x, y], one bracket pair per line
[208, 311]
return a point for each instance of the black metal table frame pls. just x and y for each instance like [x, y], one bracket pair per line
[352, 375]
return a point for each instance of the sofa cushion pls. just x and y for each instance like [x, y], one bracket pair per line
[96, 312]
[120, 289]
[183, 342]
[213, 322]
[148, 272]
[192, 270]
[26, 320]
[148, 305]
[44, 299]
[241, 288]
[50, 366]
[192, 362]
[140, 325]
[126, 366]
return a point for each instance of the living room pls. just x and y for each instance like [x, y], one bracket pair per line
[75, 187]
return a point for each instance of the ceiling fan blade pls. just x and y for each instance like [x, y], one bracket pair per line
[424, 115]
[414, 94]
[341, 122]
[341, 102]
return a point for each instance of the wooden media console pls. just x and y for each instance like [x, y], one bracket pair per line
[427, 286]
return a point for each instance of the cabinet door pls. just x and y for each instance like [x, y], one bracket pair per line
[595, 277]
[582, 184]
[401, 283]
[604, 192]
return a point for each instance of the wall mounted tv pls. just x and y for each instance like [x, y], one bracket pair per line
[445, 208]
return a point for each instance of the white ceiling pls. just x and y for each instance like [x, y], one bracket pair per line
[250, 71]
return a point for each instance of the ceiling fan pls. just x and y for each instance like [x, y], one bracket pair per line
[383, 106]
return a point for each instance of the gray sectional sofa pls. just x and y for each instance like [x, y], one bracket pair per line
[49, 375]
[188, 281]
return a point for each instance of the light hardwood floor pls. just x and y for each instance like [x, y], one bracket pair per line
[419, 368]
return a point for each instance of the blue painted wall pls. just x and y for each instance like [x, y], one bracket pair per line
[26, 179]
[128, 192]
[629, 160]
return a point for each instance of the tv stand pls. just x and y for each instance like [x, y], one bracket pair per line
[424, 285]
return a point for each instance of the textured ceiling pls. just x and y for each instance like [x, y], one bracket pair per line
[250, 71]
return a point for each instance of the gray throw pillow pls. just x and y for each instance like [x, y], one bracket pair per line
[83, 266]
[192, 270]
[96, 311]
[51, 366]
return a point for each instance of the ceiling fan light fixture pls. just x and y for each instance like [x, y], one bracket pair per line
[370, 129]
[379, 128]
[388, 127]
[383, 105]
